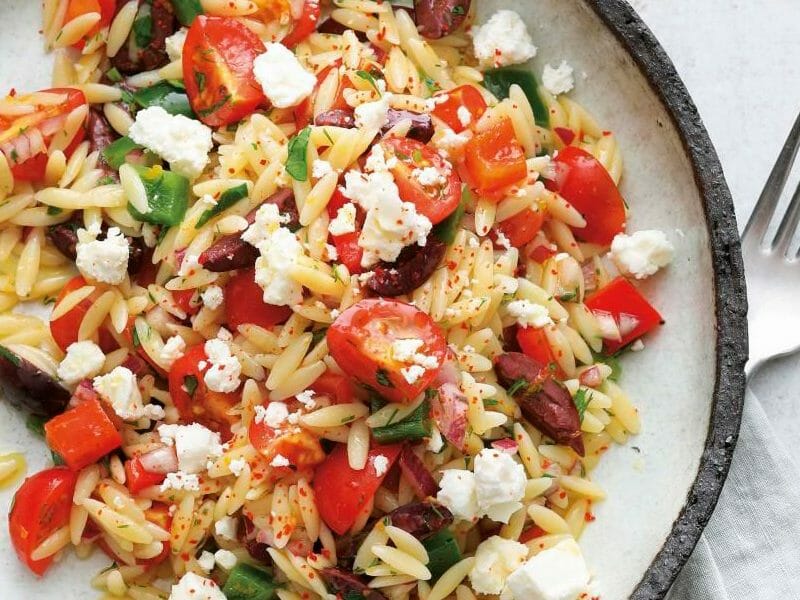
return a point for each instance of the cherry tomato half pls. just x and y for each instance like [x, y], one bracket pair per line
[194, 401]
[65, 328]
[244, 303]
[434, 200]
[300, 447]
[521, 228]
[218, 70]
[347, 249]
[41, 506]
[25, 140]
[451, 107]
[533, 342]
[495, 160]
[305, 25]
[360, 341]
[584, 182]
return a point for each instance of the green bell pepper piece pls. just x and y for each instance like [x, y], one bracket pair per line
[116, 152]
[187, 10]
[167, 196]
[247, 582]
[443, 553]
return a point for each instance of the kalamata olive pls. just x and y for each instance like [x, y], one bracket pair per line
[154, 55]
[136, 254]
[545, 402]
[336, 117]
[100, 134]
[411, 269]
[421, 124]
[65, 238]
[334, 27]
[421, 519]
[232, 252]
[438, 18]
[27, 385]
[349, 585]
[416, 474]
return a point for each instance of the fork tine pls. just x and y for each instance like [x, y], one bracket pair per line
[759, 221]
[788, 225]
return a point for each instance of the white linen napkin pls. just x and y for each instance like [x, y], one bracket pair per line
[750, 549]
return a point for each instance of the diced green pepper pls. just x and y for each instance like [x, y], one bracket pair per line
[165, 95]
[499, 81]
[247, 582]
[187, 10]
[415, 426]
[446, 230]
[227, 199]
[443, 553]
[115, 153]
[167, 196]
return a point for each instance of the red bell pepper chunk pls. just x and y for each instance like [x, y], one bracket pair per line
[138, 478]
[83, 434]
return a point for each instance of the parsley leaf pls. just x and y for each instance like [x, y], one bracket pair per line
[143, 30]
[54, 210]
[190, 384]
[297, 161]
[458, 10]
[581, 400]
[518, 385]
[228, 198]
[367, 76]
[383, 378]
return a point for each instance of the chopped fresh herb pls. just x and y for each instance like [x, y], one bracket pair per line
[35, 424]
[14, 155]
[417, 156]
[458, 10]
[429, 82]
[187, 10]
[548, 475]
[402, 155]
[297, 161]
[517, 386]
[581, 400]
[200, 80]
[107, 180]
[54, 210]
[347, 419]
[383, 378]
[490, 402]
[431, 393]
[190, 384]
[57, 460]
[114, 75]
[392, 416]
[415, 426]
[254, 146]
[328, 136]
[228, 198]
[318, 335]
[10, 356]
[367, 76]
[568, 296]
[143, 29]
[216, 106]
[613, 362]
[49, 300]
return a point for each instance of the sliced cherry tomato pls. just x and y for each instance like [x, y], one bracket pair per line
[435, 200]
[584, 182]
[542, 252]
[41, 506]
[305, 25]
[634, 315]
[495, 160]
[77, 8]
[244, 303]
[65, 328]
[345, 491]
[183, 300]
[83, 434]
[347, 249]
[138, 478]
[304, 112]
[531, 533]
[218, 70]
[360, 341]
[301, 448]
[533, 342]
[450, 107]
[24, 140]
[341, 389]
[521, 228]
[194, 401]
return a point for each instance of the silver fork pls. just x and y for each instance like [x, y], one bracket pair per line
[772, 269]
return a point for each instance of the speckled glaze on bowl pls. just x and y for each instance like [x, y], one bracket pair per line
[688, 384]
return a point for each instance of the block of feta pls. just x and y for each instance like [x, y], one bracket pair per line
[457, 492]
[558, 80]
[103, 260]
[558, 573]
[183, 142]
[226, 528]
[284, 80]
[193, 587]
[373, 115]
[528, 314]
[495, 559]
[225, 559]
[119, 388]
[344, 221]
[499, 484]
[502, 40]
[174, 44]
[224, 369]
[212, 297]
[83, 360]
[641, 254]
[172, 350]
[194, 444]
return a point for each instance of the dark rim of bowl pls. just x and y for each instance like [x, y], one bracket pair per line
[730, 295]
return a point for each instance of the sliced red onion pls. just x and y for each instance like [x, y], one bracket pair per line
[417, 474]
[448, 373]
[161, 460]
[506, 445]
[608, 325]
[589, 276]
[591, 377]
[449, 410]
[627, 323]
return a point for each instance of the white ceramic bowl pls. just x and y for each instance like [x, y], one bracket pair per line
[688, 384]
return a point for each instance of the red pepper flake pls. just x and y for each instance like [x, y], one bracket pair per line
[589, 517]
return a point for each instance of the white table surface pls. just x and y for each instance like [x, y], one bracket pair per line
[740, 60]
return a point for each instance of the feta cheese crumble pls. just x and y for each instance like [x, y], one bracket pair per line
[180, 481]
[194, 445]
[279, 461]
[279, 250]
[373, 115]
[175, 42]
[183, 142]
[237, 466]
[464, 116]
[226, 528]
[224, 368]
[193, 587]
[172, 350]
[558, 80]
[103, 260]
[428, 176]
[206, 561]
[641, 254]
[457, 492]
[558, 573]
[528, 314]
[306, 398]
[450, 142]
[225, 559]
[499, 484]
[502, 40]
[495, 559]
[284, 80]
[212, 297]
[381, 464]
[120, 390]
[345, 220]
[320, 168]
[83, 360]
[273, 414]
[412, 374]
